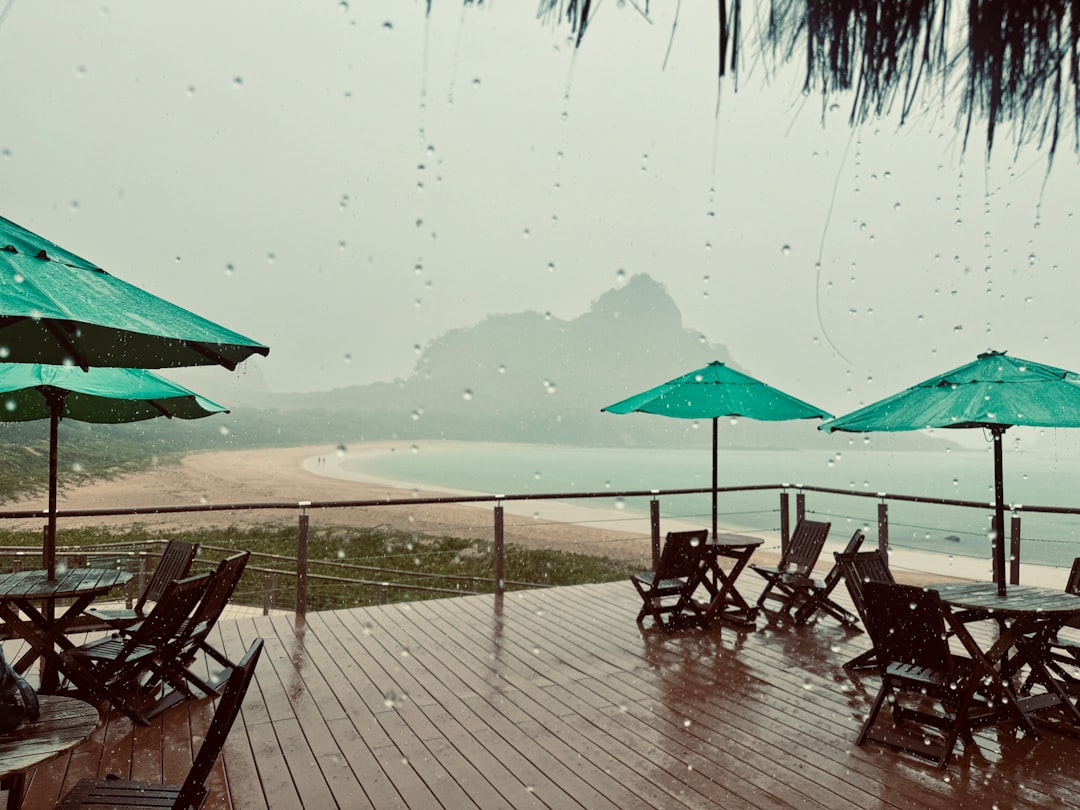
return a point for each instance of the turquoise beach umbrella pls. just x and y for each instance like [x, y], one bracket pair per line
[995, 392]
[60, 309]
[712, 392]
[30, 391]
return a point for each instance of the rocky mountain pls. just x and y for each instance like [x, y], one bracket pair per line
[529, 377]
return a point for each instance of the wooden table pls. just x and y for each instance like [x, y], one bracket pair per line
[19, 593]
[1027, 617]
[726, 602]
[63, 724]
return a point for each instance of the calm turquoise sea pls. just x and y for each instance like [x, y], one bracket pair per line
[1031, 478]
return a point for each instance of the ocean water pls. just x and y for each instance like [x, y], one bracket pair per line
[1031, 478]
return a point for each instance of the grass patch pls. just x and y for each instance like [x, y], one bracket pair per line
[353, 566]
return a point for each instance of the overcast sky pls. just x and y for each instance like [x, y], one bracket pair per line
[347, 181]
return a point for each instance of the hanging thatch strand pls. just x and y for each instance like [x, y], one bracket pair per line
[1014, 62]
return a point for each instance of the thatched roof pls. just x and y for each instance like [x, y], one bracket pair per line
[1011, 62]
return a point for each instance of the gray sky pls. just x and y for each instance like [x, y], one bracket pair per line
[347, 181]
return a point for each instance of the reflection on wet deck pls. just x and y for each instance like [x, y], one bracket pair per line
[554, 699]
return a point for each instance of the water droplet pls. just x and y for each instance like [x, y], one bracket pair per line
[466, 394]
[785, 250]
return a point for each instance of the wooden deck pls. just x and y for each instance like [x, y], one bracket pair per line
[557, 699]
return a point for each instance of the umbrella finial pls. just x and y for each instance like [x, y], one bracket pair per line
[990, 353]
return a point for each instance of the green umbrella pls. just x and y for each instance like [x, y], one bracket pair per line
[714, 391]
[58, 308]
[995, 392]
[30, 391]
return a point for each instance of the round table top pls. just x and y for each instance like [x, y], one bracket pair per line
[733, 541]
[71, 582]
[64, 723]
[1018, 599]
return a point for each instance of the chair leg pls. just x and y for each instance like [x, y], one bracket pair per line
[866, 660]
[868, 723]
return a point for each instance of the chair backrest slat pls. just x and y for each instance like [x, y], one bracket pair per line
[907, 625]
[175, 563]
[682, 554]
[861, 567]
[193, 790]
[221, 588]
[177, 603]
[805, 547]
[1072, 585]
[853, 545]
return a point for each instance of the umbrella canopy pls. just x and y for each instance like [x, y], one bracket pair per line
[995, 392]
[60, 309]
[712, 392]
[31, 391]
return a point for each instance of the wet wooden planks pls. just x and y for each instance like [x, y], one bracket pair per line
[557, 699]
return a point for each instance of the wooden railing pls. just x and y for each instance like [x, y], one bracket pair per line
[298, 567]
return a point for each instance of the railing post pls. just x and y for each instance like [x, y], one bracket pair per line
[144, 572]
[883, 529]
[654, 528]
[1014, 554]
[269, 593]
[302, 560]
[785, 519]
[129, 588]
[500, 560]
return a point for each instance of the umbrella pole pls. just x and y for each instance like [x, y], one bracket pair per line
[715, 445]
[50, 533]
[999, 511]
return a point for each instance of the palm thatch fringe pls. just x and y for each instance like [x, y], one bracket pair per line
[1012, 62]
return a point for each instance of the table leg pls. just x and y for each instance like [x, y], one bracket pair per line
[988, 675]
[727, 603]
[43, 636]
[14, 785]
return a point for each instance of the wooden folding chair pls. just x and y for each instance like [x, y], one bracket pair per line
[1061, 655]
[191, 637]
[930, 690]
[857, 569]
[676, 577]
[113, 792]
[111, 668]
[174, 563]
[786, 582]
[816, 596]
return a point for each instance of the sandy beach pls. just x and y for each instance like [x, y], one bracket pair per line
[285, 477]
[313, 474]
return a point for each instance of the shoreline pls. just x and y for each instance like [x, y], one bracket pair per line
[911, 565]
[314, 473]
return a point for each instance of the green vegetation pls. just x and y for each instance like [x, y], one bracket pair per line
[350, 567]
